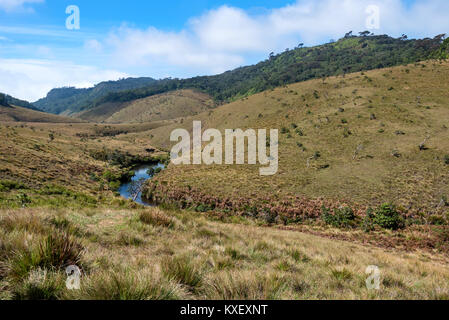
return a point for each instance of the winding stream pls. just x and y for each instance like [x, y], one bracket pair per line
[140, 172]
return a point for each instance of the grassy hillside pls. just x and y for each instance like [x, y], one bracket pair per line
[351, 140]
[13, 113]
[71, 100]
[166, 106]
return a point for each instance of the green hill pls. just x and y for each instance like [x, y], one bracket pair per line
[347, 55]
[71, 100]
[7, 100]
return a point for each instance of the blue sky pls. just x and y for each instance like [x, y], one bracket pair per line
[179, 38]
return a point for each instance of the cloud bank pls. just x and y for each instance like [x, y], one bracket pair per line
[223, 38]
[32, 79]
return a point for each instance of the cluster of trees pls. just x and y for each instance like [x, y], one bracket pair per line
[3, 101]
[7, 100]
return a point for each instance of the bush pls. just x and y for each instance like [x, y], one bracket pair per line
[387, 217]
[446, 159]
[6, 185]
[342, 218]
[368, 221]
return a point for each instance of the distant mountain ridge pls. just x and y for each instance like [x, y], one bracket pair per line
[7, 101]
[70, 100]
[349, 54]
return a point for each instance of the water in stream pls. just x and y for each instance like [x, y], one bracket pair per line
[140, 173]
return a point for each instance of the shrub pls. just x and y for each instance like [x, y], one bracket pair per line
[387, 217]
[6, 185]
[342, 218]
[446, 159]
[284, 130]
[368, 221]
[23, 199]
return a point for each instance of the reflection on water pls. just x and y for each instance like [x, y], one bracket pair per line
[140, 173]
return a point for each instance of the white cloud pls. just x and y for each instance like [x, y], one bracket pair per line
[32, 79]
[93, 46]
[223, 38]
[17, 5]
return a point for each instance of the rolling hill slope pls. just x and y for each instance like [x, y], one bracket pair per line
[171, 105]
[20, 114]
[353, 139]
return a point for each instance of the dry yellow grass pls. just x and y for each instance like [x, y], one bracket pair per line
[171, 105]
[203, 259]
[14, 113]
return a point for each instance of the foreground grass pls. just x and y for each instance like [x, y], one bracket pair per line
[170, 254]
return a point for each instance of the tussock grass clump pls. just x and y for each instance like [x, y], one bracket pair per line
[184, 270]
[60, 250]
[156, 217]
[298, 256]
[246, 285]
[127, 239]
[55, 252]
[25, 222]
[123, 285]
[63, 224]
[40, 285]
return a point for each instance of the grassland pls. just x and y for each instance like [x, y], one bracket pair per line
[59, 206]
[171, 105]
[350, 140]
[172, 254]
[14, 113]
